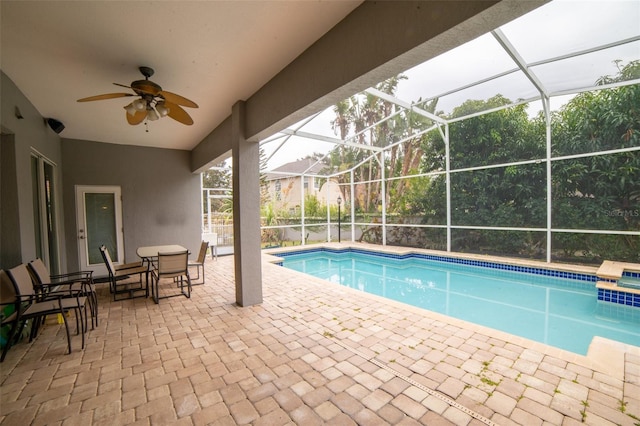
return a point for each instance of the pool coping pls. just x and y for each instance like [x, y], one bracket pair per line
[404, 251]
[604, 355]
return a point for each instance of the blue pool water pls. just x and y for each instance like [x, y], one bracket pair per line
[560, 312]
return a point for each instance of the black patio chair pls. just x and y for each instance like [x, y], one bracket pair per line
[72, 299]
[29, 305]
[73, 283]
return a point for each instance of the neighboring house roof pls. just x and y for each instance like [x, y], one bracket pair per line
[308, 165]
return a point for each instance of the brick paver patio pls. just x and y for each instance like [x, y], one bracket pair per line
[312, 353]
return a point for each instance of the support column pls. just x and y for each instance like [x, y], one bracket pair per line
[246, 211]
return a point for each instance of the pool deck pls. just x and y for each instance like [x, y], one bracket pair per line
[312, 353]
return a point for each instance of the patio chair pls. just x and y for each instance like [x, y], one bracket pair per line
[80, 282]
[30, 306]
[71, 293]
[199, 263]
[172, 266]
[212, 239]
[119, 274]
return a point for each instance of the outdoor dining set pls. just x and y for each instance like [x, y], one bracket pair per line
[29, 293]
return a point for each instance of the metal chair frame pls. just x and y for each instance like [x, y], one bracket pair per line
[123, 272]
[73, 283]
[199, 263]
[30, 305]
[174, 266]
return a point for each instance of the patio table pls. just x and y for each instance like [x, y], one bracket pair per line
[150, 253]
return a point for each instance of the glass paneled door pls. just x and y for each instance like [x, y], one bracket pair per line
[99, 212]
[45, 217]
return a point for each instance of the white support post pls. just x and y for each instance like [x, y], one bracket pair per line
[352, 198]
[328, 210]
[546, 103]
[303, 240]
[202, 224]
[447, 159]
[383, 191]
[208, 211]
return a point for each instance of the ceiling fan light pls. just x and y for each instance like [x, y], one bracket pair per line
[162, 109]
[131, 109]
[140, 104]
[152, 114]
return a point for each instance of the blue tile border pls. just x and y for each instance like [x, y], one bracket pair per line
[604, 295]
[447, 259]
[619, 297]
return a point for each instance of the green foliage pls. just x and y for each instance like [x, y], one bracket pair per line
[587, 192]
[599, 192]
[217, 178]
[361, 119]
[312, 206]
[427, 196]
[593, 192]
[631, 71]
[269, 218]
[503, 136]
[268, 215]
[598, 121]
[506, 196]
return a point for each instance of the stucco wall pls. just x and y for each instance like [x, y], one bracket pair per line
[28, 133]
[160, 196]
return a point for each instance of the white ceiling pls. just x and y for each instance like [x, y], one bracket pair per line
[212, 52]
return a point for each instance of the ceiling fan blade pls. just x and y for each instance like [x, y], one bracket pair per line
[177, 99]
[136, 118]
[105, 96]
[122, 85]
[177, 113]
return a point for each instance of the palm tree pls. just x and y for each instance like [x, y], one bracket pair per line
[364, 115]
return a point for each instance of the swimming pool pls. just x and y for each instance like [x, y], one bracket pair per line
[560, 309]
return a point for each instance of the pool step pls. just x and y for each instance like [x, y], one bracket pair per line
[615, 286]
[613, 270]
[608, 285]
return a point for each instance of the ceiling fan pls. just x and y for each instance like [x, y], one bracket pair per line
[153, 102]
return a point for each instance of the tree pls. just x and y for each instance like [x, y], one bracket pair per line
[362, 117]
[589, 192]
[218, 179]
[502, 196]
[600, 191]
[409, 155]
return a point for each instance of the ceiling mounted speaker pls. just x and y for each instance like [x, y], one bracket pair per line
[55, 125]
